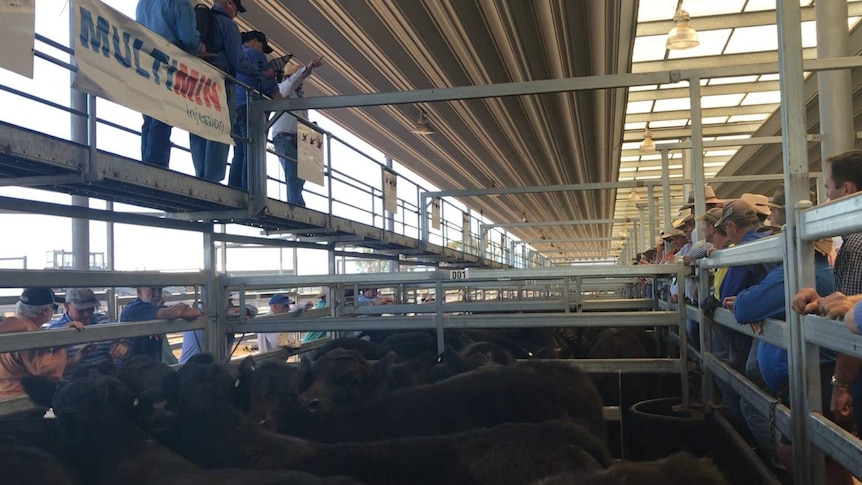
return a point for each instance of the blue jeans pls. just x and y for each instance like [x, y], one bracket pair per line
[209, 158]
[238, 172]
[155, 142]
[286, 149]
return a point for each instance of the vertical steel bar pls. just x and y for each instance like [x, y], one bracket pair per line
[836, 115]
[113, 312]
[214, 336]
[256, 158]
[697, 155]
[665, 187]
[798, 269]
[652, 216]
[683, 338]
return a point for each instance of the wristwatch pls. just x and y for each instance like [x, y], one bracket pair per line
[841, 385]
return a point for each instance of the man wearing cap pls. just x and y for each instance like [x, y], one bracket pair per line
[148, 306]
[80, 306]
[35, 307]
[210, 157]
[760, 203]
[175, 21]
[284, 132]
[254, 50]
[278, 304]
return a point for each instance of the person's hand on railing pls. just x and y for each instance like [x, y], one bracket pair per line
[118, 350]
[842, 403]
[756, 328]
[729, 302]
[806, 301]
[837, 305]
[76, 325]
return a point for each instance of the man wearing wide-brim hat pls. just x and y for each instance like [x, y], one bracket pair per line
[709, 199]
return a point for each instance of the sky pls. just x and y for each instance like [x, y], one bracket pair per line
[148, 248]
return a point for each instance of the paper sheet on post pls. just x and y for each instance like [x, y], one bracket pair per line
[17, 36]
[309, 154]
[124, 62]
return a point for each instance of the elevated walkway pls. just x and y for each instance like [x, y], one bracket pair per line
[33, 159]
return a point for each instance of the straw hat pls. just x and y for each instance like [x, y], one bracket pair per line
[760, 202]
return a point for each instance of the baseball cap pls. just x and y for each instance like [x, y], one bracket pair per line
[259, 36]
[279, 298]
[736, 211]
[239, 7]
[39, 296]
[711, 216]
[81, 298]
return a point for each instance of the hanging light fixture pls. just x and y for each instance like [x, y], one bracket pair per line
[634, 197]
[682, 35]
[647, 146]
[422, 127]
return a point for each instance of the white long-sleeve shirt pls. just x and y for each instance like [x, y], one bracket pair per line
[286, 123]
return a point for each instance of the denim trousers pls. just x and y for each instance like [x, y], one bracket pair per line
[156, 142]
[238, 177]
[286, 149]
[209, 158]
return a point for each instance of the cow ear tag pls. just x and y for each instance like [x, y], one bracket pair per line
[236, 383]
[135, 403]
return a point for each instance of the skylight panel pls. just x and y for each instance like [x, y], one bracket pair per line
[636, 125]
[639, 107]
[753, 39]
[656, 156]
[634, 158]
[732, 80]
[720, 153]
[714, 164]
[721, 100]
[628, 169]
[672, 104]
[649, 48]
[809, 34]
[711, 43]
[745, 118]
[643, 88]
[732, 137]
[713, 120]
[702, 8]
[765, 97]
[631, 145]
[668, 123]
[769, 77]
[651, 10]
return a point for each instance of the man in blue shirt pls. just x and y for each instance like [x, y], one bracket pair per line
[210, 157]
[148, 306]
[81, 305]
[254, 50]
[175, 21]
[767, 300]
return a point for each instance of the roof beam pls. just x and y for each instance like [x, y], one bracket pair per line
[718, 89]
[713, 62]
[733, 20]
[677, 133]
[707, 113]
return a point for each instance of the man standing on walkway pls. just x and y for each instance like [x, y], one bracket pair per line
[148, 306]
[284, 133]
[210, 157]
[175, 21]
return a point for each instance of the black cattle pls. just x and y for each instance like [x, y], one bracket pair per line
[369, 350]
[214, 435]
[260, 389]
[342, 378]
[679, 469]
[27, 466]
[478, 399]
[619, 343]
[98, 419]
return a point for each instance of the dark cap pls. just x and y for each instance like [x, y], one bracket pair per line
[737, 211]
[279, 298]
[260, 37]
[81, 298]
[711, 216]
[38, 296]
[239, 7]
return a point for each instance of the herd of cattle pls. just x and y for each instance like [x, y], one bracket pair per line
[381, 411]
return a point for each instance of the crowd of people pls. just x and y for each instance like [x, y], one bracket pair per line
[755, 292]
[242, 56]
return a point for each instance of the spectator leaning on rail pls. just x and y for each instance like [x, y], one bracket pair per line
[175, 21]
[842, 177]
[210, 157]
[767, 300]
[35, 307]
[284, 132]
[254, 50]
[80, 306]
[148, 306]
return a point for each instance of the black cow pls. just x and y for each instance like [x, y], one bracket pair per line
[213, 435]
[369, 350]
[619, 343]
[98, 419]
[678, 469]
[478, 399]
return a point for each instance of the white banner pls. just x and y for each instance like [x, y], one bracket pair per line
[390, 191]
[435, 213]
[17, 36]
[465, 230]
[309, 154]
[124, 62]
